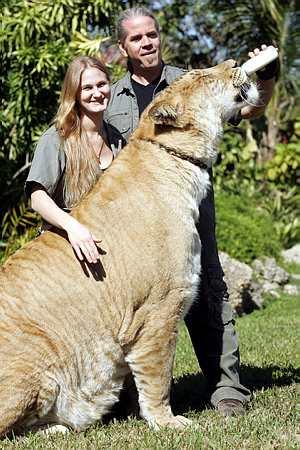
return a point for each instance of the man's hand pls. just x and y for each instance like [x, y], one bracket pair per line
[265, 86]
[256, 51]
[271, 70]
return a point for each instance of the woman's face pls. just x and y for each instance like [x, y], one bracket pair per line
[94, 92]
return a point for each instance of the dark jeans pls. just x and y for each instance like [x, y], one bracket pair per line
[210, 320]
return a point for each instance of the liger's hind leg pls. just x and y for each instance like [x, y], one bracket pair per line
[16, 398]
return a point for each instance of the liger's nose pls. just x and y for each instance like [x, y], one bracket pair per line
[239, 77]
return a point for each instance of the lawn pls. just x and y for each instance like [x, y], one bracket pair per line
[269, 343]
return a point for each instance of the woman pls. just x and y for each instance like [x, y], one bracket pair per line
[71, 154]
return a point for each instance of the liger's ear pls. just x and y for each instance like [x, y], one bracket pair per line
[164, 113]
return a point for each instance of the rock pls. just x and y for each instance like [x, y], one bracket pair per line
[238, 277]
[272, 289]
[247, 285]
[292, 255]
[291, 289]
[255, 299]
[271, 276]
[267, 269]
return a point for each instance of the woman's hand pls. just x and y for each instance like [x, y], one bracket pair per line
[82, 241]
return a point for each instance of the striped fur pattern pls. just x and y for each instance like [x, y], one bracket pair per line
[70, 332]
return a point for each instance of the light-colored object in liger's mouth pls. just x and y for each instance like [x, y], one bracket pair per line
[261, 60]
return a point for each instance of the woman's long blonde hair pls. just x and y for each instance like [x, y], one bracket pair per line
[82, 165]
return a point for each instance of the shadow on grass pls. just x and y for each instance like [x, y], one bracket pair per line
[256, 378]
[190, 393]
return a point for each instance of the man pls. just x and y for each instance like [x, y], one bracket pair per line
[210, 320]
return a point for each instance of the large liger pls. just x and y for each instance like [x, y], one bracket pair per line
[69, 331]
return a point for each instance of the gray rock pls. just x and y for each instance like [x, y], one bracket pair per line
[271, 289]
[238, 277]
[267, 269]
[291, 289]
[292, 255]
[247, 285]
[255, 297]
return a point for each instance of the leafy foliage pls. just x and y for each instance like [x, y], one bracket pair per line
[273, 184]
[19, 225]
[284, 208]
[271, 22]
[243, 230]
[237, 167]
[284, 168]
[36, 44]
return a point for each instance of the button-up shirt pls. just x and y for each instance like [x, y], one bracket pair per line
[123, 110]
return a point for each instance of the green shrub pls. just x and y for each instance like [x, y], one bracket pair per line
[19, 225]
[236, 165]
[284, 169]
[244, 230]
[284, 207]
[273, 184]
[11, 246]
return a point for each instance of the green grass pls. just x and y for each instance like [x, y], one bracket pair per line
[269, 343]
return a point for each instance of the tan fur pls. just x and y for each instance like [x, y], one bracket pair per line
[70, 332]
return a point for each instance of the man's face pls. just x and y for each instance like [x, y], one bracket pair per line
[142, 43]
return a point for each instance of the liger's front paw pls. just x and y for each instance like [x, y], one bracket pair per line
[176, 422]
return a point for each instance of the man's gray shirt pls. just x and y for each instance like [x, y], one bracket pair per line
[123, 110]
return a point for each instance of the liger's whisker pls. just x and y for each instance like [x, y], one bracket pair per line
[243, 95]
